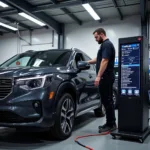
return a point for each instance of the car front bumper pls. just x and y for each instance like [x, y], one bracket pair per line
[31, 109]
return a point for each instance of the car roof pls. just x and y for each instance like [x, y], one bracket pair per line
[73, 50]
[33, 51]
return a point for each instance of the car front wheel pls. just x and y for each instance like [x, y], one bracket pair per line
[65, 115]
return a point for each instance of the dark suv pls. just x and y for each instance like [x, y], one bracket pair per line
[47, 90]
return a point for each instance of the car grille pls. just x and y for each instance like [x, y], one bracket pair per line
[5, 87]
[10, 117]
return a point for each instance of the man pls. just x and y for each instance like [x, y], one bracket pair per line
[105, 77]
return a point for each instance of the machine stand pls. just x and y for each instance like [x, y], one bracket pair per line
[131, 135]
[133, 89]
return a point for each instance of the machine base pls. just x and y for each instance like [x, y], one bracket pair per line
[137, 136]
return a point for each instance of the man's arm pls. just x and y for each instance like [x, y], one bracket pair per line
[103, 67]
[92, 61]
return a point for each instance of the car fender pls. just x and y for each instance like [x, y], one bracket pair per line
[63, 87]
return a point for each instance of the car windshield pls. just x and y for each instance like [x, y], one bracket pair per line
[39, 59]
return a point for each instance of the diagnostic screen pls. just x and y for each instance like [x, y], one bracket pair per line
[130, 69]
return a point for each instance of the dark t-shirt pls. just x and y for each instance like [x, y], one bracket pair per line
[107, 51]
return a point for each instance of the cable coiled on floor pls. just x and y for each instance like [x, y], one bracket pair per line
[87, 147]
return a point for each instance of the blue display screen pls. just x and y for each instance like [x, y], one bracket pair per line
[130, 69]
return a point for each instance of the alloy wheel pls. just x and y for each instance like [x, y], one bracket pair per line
[67, 116]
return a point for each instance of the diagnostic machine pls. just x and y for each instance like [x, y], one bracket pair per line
[133, 111]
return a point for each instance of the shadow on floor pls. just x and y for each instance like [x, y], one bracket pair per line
[84, 120]
[10, 139]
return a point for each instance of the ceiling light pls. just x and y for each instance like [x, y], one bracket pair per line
[3, 4]
[91, 11]
[7, 26]
[31, 19]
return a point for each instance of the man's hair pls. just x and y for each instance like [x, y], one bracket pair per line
[99, 31]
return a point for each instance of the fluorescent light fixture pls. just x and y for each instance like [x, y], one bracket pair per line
[91, 11]
[3, 4]
[31, 19]
[7, 26]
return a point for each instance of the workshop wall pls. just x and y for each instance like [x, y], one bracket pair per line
[82, 36]
[40, 39]
[8, 46]
[76, 36]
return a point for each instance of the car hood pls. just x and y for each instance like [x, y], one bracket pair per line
[29, 71]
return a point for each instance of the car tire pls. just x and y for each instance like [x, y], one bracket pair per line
[65, 115]
[100, 112]
[115, 100]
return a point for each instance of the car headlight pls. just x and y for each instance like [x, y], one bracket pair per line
[34, 82]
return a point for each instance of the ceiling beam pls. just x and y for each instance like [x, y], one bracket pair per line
[43, 7]
[27, 8]
[118, 9]
[8, 13]
[60, 5]
[65, 10]
[16, 21]
[12, 12]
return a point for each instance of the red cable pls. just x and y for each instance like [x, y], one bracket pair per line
[87, 147]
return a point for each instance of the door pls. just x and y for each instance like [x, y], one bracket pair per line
[93, 93]
[84, 80]
[81, 80]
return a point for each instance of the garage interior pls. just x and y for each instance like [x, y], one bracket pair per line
[67, 24]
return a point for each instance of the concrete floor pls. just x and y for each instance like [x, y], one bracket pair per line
[86, 124]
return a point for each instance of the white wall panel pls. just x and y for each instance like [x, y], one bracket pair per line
[82, 36]
[40, 39]
[8, 46]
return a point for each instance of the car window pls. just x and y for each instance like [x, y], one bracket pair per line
[20, 62]
[78, 57]
[38, 59]
[51, 58]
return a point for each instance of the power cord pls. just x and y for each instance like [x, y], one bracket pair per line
[87, 147]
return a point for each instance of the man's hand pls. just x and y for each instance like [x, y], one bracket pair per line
[92, 61]
[97, 80]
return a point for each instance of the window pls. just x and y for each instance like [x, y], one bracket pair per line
[20, 62]
[77, 58]
[51, 58]
[38, 59]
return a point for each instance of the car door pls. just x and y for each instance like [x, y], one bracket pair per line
[81, 80]
[93, 93]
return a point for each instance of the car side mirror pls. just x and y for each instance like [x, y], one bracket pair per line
[83, 65]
